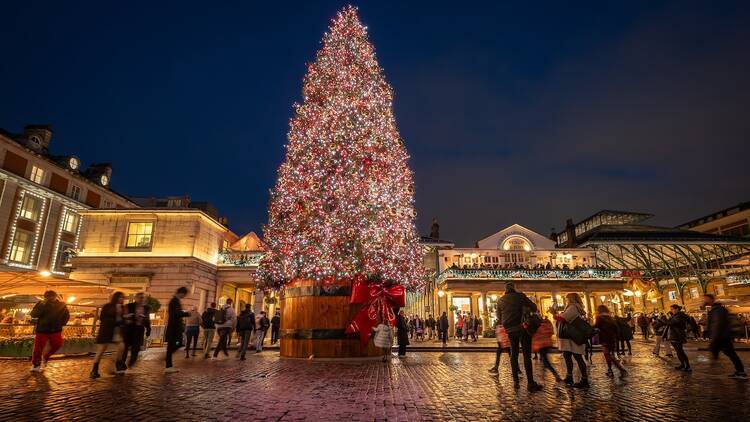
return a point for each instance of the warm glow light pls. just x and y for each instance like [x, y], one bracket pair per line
[638, 293]
[653, 300]
[441, 293]
[494, 297]
[603, 298]
[559, 298]
[628, 292]
[71, 299]
[45, 273]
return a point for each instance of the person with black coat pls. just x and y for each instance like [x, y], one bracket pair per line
[137, 327]
[209, 328]
[275, 327]
[443, 328]
[511, 309]
[625, 334]
[110, 332]
[245, 328]
[720, 333]
[677, 335]
[51, 315]
[403, 333]
[175, 326]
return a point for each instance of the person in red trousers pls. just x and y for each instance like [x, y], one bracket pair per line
[51, 315]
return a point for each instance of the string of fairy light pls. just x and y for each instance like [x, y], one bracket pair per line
[343, 204]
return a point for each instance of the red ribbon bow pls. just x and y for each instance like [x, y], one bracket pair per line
[376, 300]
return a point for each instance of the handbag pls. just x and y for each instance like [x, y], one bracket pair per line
[580, 331]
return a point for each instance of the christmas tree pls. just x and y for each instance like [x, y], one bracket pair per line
[343, 205]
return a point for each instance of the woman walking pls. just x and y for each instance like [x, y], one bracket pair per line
[541, 343]
[192, 328]
[608, 330]
[571, 350]
[503, 346]
[110, 323]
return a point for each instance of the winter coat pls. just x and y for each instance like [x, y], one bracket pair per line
[542, 338]
[130, 322]
[207, 319]
[276, 321]
[403, 331]
[109, 321]
[718, 323]
[246, 321]
[230, 317]
[175, 326]
[443, 323]
[565, 344]
[383, 336]
[511, 308]
[610, 330]
[659, 325]
[625, 331]
[676, 328]
[51, 316]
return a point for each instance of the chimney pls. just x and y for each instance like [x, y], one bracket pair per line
[37, 137]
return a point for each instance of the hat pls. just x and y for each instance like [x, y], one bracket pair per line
[510, 287]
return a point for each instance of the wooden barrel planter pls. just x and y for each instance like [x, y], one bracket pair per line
[313, 321]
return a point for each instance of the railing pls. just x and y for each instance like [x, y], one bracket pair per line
[240, 259]
[25, 330]
[513, 274]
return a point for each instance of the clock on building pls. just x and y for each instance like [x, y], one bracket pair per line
[104, 180]
[73, 163]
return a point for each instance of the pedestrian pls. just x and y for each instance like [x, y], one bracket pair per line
[137, 327]
[624, 334]
[175, 327]
[419, 328]
[261, 325]
[443, 328]
[570, 349]
[477, 327]
[225, 319]
[459, 327]
[110, 326]
[660, 325]
[608, 337]
[402, 334]
[541, 343]
[384, 338]
[430, 324]
[51, 315]
[643, 323]
[720, 333]
[245, 328]
[677, 336]
[469, 324]
[192, 329]
[511, 310]
[275, 326]
[209, 328]
[503, 346]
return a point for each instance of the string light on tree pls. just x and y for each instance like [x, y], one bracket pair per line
[343, 204]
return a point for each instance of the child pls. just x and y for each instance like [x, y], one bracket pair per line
[384, 338]
[541, 342]
[608, 336]
[503, 345]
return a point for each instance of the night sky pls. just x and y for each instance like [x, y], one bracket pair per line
[511, 113]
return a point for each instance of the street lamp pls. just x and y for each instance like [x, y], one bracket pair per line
[45, 273]
[493, 297]
[441, 293]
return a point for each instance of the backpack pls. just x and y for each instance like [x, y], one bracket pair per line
[207, 319]
[532, 322]
[220, 316]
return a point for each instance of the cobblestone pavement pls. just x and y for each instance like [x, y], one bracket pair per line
[422, 386]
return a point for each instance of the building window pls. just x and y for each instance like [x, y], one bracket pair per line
[139, 235]
[30, 207]
[20, 251]
[37, 174]
[75, 192]
[719, 290]
[693, 292]
[70, 222]
[64, 253]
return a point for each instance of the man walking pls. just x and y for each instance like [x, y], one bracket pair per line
[643, 324]
[137, 326]
[720, 333]
[175, 326]
[261, 325]
[275, 326]
[51, 315]
[511, 309]
[430, 324]
[209, 328]
[245, 327]
[443, 328]
[225, 319]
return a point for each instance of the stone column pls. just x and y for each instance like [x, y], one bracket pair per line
[486, 311]
[449, 302]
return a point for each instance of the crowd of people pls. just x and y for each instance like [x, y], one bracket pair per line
[520, 330]
[123, 327]
[522, 266]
